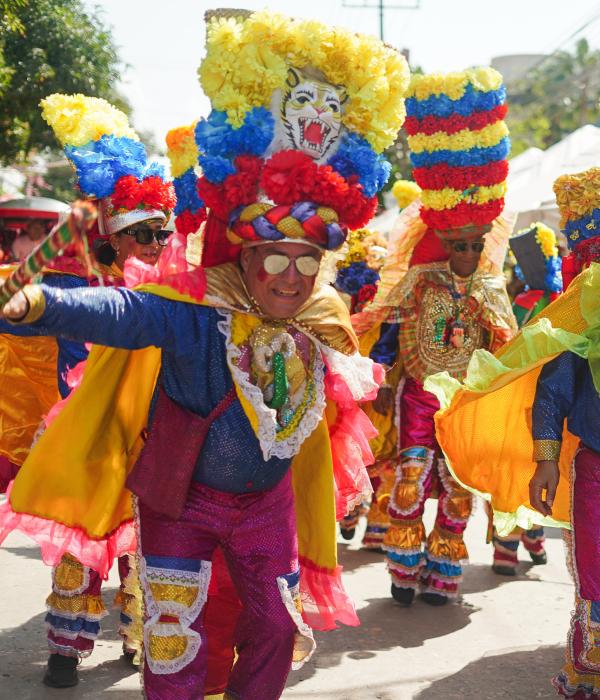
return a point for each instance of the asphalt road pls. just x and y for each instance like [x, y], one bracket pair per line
[503, 639]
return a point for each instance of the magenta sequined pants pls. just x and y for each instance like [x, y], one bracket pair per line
[430, 563]
[257, 534]
[580, 677]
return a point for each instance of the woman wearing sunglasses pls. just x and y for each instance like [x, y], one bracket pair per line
[144, 240]
[75, 605]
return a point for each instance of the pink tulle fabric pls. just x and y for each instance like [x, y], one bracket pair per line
[350, 435]
[171, 270]
[324, 600]
[56, 539]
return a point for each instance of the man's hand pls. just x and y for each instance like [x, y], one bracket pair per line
[385, 400]
[545, 478]
[16, 309]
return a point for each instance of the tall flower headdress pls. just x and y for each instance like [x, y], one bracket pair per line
[459, 145]
[578, 199]
[292, 148]
[110, 161]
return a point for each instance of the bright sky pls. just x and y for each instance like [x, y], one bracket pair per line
[162, 41]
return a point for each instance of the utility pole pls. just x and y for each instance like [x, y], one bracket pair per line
[381, 7]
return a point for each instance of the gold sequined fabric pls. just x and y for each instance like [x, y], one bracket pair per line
[425, 301]
[546, 450]
[324, 316]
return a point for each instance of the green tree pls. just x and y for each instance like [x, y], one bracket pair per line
[555, 98]
[49, 46]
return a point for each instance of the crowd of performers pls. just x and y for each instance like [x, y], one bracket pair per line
[199, 406]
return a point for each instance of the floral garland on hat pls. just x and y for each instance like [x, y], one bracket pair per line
[459, 146]
[109, 159]
[578, 199]
[357, 275]
[248, 59]
[259, 49]
[182, 151]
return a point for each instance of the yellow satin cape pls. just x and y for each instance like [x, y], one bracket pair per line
[484, 425]
[95, 439]
[29, 388]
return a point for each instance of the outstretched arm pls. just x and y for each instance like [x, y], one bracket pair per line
[115, 317]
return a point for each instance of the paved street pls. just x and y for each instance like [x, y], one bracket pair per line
[503, 640]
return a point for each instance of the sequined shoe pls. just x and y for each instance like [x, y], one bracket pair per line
[347, 534]
[539, 558]
[61, 671]
[502, 570]
[404, 596]
[434, 599]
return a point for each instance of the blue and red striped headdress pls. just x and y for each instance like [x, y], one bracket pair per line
[459, 147]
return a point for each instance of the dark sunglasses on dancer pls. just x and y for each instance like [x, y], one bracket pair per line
[144, 234]
[463, 246]
[277, 263]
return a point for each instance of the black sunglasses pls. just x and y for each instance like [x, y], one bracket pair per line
[463, 246]
[144, 235]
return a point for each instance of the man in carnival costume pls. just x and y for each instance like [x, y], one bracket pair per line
[111, 167]
[539, 266]
[253, 386]
[439, 300]
[543, 391]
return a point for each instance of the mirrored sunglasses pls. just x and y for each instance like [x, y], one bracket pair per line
[144, 235]
[463, 246]
[276, 263]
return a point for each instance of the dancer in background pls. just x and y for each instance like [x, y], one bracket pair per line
[543, 390]
[447, 303]
[126, 229]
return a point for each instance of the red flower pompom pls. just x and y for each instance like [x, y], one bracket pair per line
[127, 193]
[289, 177]
[241, 188]
[157, 194]
[187, 222]
[463, 214]
[213, 196]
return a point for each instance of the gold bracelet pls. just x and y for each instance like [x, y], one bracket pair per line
[544, 450]
[37, 305]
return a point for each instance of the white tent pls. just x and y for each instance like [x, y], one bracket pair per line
[533, 172]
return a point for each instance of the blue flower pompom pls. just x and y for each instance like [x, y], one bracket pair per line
[101, 163]
[187, 194]
[215, 136]
[353, 278]
[356, 157]
[553, 278]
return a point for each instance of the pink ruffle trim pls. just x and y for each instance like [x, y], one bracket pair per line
[56, 539]
[349, 435]
[171, 270]
[324, 600]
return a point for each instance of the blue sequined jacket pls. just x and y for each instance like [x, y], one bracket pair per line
[565, 390]
[194, 371]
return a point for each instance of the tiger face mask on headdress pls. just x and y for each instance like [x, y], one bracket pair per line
[292, 149]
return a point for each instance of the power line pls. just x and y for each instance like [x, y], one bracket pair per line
[381, 6]
[594, 18]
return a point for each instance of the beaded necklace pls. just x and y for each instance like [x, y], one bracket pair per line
[456, 328]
